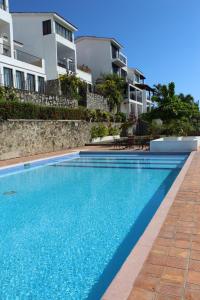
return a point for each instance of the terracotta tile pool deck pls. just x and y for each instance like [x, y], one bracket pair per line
[171, 270]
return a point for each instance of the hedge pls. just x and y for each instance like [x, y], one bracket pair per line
[19, 110]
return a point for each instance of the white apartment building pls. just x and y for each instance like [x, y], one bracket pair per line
[103, 56]
[138, 97]
[50, 36]
[18, 67]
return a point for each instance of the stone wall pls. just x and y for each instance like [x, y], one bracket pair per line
[52, 87]
[27, 137]
[95, 101]
[49, 100]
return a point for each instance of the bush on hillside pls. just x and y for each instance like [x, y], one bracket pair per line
[120, 117]
[102, 130]
[23, 110]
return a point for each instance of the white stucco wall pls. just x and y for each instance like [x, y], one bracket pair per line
[175, 144]
[84, 76]
[6, 29]
[96, 55]
[38, 44]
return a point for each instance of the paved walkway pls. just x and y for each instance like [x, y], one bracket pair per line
[172, 269]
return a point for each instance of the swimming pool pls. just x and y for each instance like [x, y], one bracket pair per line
[68, 223]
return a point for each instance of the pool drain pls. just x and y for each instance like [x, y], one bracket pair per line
[27, 166]
[9, 193]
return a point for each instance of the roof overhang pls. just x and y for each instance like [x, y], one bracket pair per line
[50, 14]
[137, 71]
[112, 40]
[143, 86]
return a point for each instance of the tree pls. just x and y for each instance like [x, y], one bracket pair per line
[179, 113]
[112, 86]
[71, 86]
[187, 99]
[169, 106]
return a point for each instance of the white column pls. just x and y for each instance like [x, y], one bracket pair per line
[144, 100]
[128, 91]
[136, 110]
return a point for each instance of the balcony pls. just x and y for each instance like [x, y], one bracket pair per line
[5, 50]
[68, 66]
[120, 60]
[136, 96]
[28, 58]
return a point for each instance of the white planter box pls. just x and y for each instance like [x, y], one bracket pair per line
[109, 138]
[175, 144]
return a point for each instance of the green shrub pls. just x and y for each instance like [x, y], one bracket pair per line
[99, 131]
[113, 131]
[120, 117]
[91, 115]
[102, 116]
[102, 130]
[19, 110]
[94, 132]
[181, 127]
[70, 85]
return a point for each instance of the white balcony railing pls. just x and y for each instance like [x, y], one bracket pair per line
[5, 50]
[28, 58]
[70, 66]
[123, 58]
[136, 96]
[120, 58]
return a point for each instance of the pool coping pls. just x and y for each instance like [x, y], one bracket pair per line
[122, 284]
[10, 166]
[82, 152]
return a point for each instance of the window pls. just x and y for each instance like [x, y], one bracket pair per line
[19, 80]
[115, 51]
[137, 78]
[123, 74]
[31, 83]
[41, 85]
[8, 77]
[115, 69]
[46, 27]
[64, 32]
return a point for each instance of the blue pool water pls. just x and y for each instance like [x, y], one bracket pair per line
[67, 227]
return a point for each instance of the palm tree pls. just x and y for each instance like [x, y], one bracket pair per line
[112, 87]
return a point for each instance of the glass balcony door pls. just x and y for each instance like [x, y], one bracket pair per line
[8, 77]
[20, 80]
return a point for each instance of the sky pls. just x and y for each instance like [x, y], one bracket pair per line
[160, 37]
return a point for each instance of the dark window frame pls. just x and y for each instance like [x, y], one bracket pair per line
[8, 81]
[31, 84]
[22, 80]
[46, 27]
[64, 32]
[115, 51]
[115, 69]
[41, 87]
